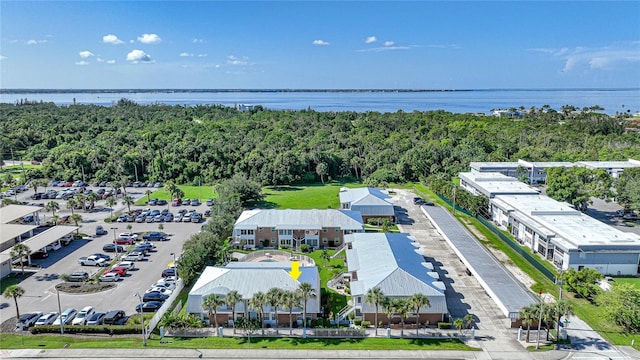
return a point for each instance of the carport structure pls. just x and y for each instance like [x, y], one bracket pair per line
[505, 290]
[43, 239]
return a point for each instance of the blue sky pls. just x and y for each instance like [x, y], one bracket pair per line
[319, 44]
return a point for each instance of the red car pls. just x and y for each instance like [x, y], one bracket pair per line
[63, 219]
[68, 184]
[118, 270]
[176, 202]
[121, 241]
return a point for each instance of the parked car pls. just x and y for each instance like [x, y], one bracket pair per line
[209, 202]
[141, 218]
[168, 217]
[83, 316]
[146, 245]
[165, 284]
[153, 202]
[47, 319]
[112, 248]
[133, 256]
[39, 255]
[103, 256]
[187, 217]
[176, 202]
[128, 235]
[66, 317]
[196, 217]
[28, 320]
[168, 272]
[149, 306]
[160, 289]
[129, 265]
[154, 296]
[109, 277]
[195, 202]
[100, 230]
[161, 202]
[178, 218]
[112, 317]
[207, 213]
[96, 318]
[122, 218]
[122, 241]
[117, 270]
[79, 276]
[154, 235]
[150, 219]
[186, 201]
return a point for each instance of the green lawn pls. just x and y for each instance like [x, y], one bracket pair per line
[302, 197]
[332, 268]
[633, 281]
[203, 193]
[10, 341]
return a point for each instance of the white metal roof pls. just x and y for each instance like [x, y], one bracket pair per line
[365, 196]
[297, 219]
[492, 183]
[12, 231]
[46, 237]
[609, 164]
[14, 212]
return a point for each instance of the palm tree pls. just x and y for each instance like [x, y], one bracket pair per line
[257, 303]
[403, 309]
[306, 292]
[92, 198]
[71, 204]
[170, 187]
[55, 218]
[20, 250]
[387, 305]
[290, 300]
[211, 303]
[528, 315]
[128, 200]
[76, 218]
[52, 206]
[232, 299]
[418, 301]
[274, 298]
[324, 255]
[375, 297]
[82, 199]
[548, 315]
[148, 193]
[224, 251]
[562, 308]
[110, 202]
[469, 320]
[458, 324]
[14, 291]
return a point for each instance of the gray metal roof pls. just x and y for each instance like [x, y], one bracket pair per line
[46, 237]
[508, 293]
[365, 196]
[391, 263]
[15, 212]
[12, 231]
[300, 219]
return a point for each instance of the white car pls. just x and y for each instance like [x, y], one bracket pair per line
[170, 279]
[47, 319]
[133, 256]
[129, 265]
[109, 277]
[165, 284]
[160, 289]
[84, 315]
[177, 218]
[128, 235]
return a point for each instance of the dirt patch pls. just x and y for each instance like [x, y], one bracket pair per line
[83, 288]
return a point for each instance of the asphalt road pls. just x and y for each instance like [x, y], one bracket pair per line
[40, 293]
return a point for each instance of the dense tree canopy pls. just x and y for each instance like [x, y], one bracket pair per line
[207, 143]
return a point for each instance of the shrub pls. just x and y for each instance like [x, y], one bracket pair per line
[76, 329]
[357, 322]
[304, 248]
[366, 324]
[444, 325]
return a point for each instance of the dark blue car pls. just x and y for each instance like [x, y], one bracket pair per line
[155, 236]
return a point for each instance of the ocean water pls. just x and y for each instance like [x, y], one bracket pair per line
[466, 101]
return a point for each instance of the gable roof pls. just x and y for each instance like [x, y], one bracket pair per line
[390, 262]
[300, 219]
[365, 196]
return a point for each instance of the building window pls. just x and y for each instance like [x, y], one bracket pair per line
[246, 232]
[273, 240]
[273, 229]
[325, 240]
[337, 229]
[324, 230]
[336, 240]
[260, 229]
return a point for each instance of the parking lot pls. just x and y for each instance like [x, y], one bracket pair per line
[40, 292]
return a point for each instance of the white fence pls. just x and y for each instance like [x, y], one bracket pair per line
[164, 308]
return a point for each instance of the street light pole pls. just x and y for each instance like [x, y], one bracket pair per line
[144, 338]
[175, 264]
[60, 311]
[539, 321]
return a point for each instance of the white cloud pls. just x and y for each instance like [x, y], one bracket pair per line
[198, 41]
[149, 39]
[370, 39]
[137, 56]
[388, 43]
[185, 54]
[321, 42]
[111, 39]
[203, 55]
[111, 61]
[85, 54]
[2, 57]
[35, 42]
[82, 63]
[596, 58]
[233, 60]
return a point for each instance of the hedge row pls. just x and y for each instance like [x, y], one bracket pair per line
[78, 329]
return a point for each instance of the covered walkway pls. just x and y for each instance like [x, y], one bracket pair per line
[507, 292]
